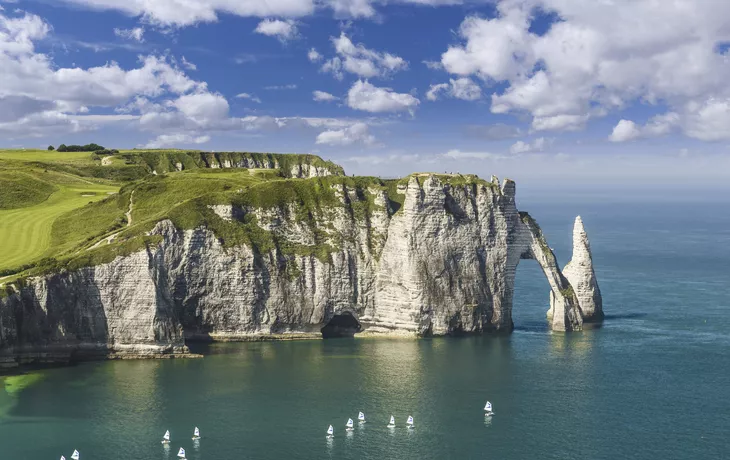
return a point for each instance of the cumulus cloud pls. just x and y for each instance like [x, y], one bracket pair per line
[538, 145]
[357, 133]
[461, 88]
[282, 30]
[136, 34]
[598, 60]
[321, 96]
[627, 130]
[361, 61]
[365, 96]
[248, 96]
[313, 55]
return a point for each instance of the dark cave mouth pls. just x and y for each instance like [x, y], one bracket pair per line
[342, 325]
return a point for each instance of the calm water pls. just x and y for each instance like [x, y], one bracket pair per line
[653, 383]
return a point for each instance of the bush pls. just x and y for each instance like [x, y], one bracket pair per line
[106, 152]
[50, 147]
[79, 148]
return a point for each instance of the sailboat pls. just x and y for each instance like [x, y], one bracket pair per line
[181, 453]
[409, 422]
[488, 409]
[349, 424]
[75, 455]
[166, 437]
[63, 458]
[361, 417]
[330, 431]
[392, 422]
[196, 433]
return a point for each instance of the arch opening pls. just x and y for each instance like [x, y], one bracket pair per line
[343, 325]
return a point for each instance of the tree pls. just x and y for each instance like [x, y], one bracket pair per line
[50, 147]
[61, 148]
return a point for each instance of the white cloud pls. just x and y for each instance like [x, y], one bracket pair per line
[190, 12]
[188, 65]
[538, 145]
[359, 132]
[601, 59]
[321, 96]
[280, 87]
[659, 125]
[365, 96]
[461, 88]
[136, 34]
[456, 154]
[313, 55]
[175, 140]
[361, 61]
[433, 65]
[282, 30]
[248, 96]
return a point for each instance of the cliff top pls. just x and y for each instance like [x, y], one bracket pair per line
[74, 209]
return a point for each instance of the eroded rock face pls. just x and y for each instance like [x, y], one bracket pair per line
[443, 262]
[579, 271]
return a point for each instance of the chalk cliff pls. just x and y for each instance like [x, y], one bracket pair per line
[430, 255]
[579, 272]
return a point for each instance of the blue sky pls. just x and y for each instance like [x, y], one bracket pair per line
[540, 90]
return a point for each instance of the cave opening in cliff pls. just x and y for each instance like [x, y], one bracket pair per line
[342, 325]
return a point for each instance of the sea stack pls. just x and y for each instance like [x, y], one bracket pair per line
[580, 274]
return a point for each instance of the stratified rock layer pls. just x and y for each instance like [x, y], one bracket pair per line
[442, 262]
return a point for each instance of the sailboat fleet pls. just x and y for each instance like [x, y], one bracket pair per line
[349, 426]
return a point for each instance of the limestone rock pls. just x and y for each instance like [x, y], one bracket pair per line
[441, 259]
[579, 271]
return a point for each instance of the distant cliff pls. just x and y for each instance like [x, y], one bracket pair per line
[426, 255]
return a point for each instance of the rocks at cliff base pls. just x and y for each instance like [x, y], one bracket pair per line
[579, 272]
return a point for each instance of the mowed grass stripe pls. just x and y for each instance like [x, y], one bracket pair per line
[25, 234]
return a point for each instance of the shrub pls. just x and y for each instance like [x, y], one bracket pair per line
[79, 148]
[50, 147]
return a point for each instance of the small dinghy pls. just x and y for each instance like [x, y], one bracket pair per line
[409, 422]
[349, 424]
[330, 431]
[392, 422]
[361, 417]
[166, 437]
[196, 433]
[75, 455]
[181, 453]
[488, 409]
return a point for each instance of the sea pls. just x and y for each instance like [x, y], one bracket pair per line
[652, 383]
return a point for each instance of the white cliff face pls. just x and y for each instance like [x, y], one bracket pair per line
[442, 263]
[579, 271]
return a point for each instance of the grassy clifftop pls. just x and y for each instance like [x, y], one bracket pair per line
[69, 210]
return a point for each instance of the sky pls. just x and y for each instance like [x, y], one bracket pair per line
[542, 91]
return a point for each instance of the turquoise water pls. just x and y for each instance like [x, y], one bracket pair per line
[653, 383]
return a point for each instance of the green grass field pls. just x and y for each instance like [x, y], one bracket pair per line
[25, 233]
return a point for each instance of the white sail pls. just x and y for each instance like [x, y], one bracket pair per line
[410, 420]
[75, 455]
[330, 430]
[392, 421]
[361, 417]
[349, 423]
[63, 458]
[196, 432]
[488, 407]
[181, 453]
[166, 437]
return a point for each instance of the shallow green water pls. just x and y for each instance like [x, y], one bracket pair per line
[653, 383]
